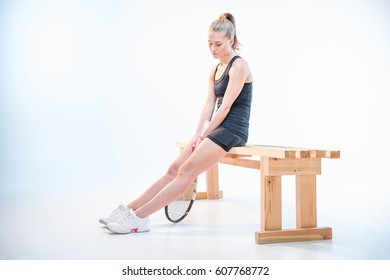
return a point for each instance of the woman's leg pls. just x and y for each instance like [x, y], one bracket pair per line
[171, 173]
[205, 156]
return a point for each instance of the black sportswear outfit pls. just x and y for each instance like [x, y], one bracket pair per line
[233, 131]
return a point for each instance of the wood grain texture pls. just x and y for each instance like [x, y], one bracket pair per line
[271, 203]
[279, 151]
[293, 235]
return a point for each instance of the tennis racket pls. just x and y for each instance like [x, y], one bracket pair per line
[177, 210]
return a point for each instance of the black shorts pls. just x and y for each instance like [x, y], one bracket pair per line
[225, 139]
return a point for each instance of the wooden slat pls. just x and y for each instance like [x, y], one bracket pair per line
[305, 154]
[278, 152]
[293, 235]
[229, 155]
[332, 154]
[325, 154]
[285, 152]
[318, 153]
[248, 163]
[265, 151]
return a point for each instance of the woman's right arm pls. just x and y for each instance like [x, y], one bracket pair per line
[208, 109]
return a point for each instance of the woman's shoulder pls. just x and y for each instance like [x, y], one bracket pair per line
[240, 65]
[240, 62]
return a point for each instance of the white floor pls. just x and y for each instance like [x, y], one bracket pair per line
[66, 226]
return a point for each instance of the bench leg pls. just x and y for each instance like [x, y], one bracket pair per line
[271, 203]
[306, 205]
[212, 185]
[306, 212]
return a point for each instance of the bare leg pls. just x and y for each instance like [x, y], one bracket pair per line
[171, 174]
[206, 155]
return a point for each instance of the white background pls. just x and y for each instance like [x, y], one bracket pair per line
[99, 91]
[94, 94]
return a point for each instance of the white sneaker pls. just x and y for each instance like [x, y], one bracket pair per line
[115, 215]
[129, 223]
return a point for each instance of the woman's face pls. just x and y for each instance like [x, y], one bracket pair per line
[219, 44]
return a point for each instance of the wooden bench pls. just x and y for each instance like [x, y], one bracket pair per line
[273, 163]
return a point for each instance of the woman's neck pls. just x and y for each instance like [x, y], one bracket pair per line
[226, 58]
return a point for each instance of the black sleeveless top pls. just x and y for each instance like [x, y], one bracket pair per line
[237, 120]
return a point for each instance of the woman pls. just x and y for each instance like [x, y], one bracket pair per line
[230, 87]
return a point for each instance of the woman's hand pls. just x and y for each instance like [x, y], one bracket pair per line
[200, 139]
[196, 140]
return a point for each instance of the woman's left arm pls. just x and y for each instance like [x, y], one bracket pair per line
[238, 75]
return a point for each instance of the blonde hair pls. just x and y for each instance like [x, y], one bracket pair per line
[227, 24]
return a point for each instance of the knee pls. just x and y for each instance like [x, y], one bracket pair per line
[186, 171]
[172, 170]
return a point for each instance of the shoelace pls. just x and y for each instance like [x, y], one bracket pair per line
[117, 211]
[128, 215]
